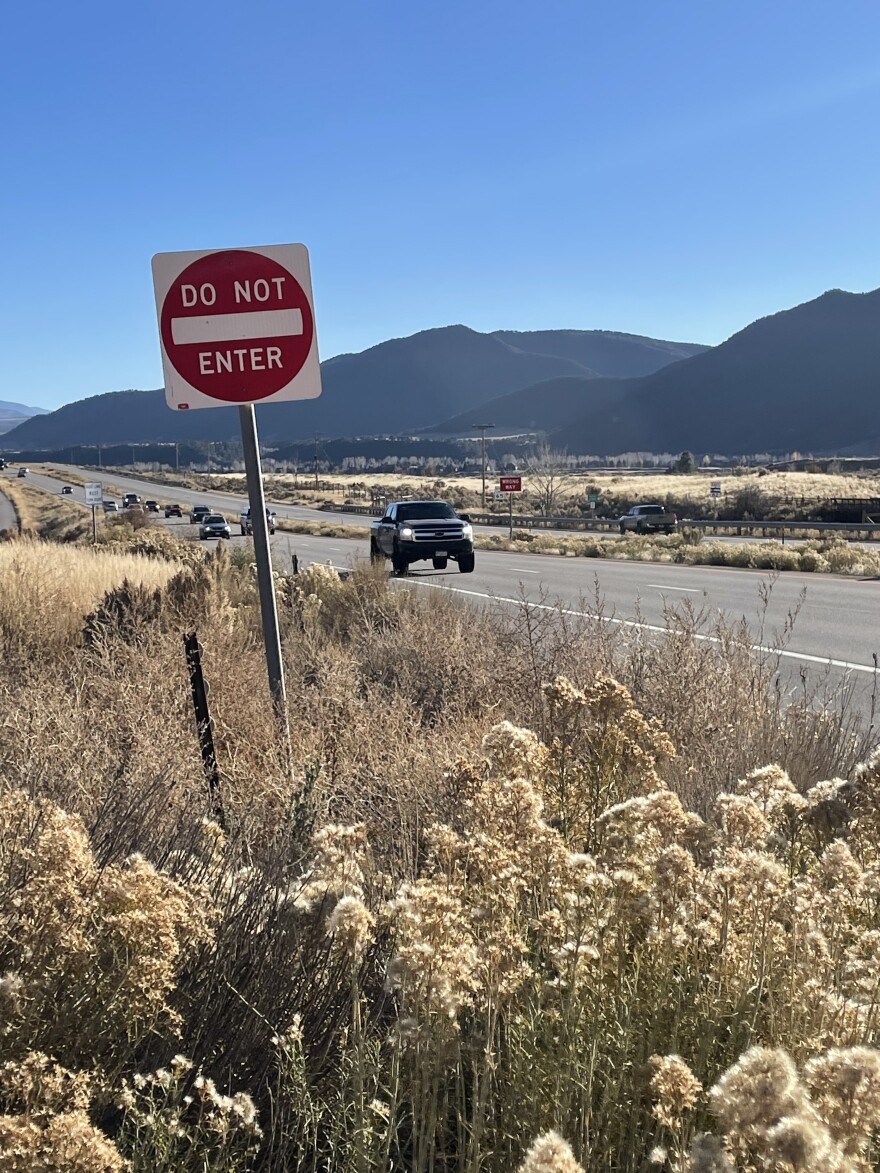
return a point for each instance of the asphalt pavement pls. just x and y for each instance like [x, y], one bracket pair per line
[8, 520]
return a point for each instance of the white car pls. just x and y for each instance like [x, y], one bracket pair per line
[111, 507]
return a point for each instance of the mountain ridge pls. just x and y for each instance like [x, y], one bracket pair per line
[398, 386]
[806, 378]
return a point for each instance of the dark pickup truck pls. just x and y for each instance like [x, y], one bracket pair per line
[411, 531]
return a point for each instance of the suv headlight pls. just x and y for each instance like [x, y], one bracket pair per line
[467, 532]
[406, 531]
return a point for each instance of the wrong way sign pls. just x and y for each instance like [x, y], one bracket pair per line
[236, 326]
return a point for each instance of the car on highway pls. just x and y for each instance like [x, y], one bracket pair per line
[66, 491]
[412, 530]
[111, 507]
[244, 521]
[214, 525]
[130, 499]
[198, 512]
[151, 506]
[22, 472]
[648, 519]
[173, 510]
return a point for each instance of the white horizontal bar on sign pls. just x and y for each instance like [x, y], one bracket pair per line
[236, 327]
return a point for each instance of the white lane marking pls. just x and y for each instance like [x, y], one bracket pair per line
[690, 590]
[236, 327]
[519, 570]
[633, 623]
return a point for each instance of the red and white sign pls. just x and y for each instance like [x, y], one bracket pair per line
[237, 326]
[510, 484]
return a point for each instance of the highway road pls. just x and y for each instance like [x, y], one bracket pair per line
[228, 503]
[8, 519]
[838, 625]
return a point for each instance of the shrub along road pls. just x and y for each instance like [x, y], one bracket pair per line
[838, 621]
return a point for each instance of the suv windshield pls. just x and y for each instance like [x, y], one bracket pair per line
[424, 511]
[215, 519]
[652, 509]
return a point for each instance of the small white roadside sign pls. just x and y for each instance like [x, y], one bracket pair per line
[94, 492]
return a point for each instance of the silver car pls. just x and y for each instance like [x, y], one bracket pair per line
[214, 525]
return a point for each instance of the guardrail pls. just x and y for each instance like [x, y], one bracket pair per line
[739, 527]
[867, 530]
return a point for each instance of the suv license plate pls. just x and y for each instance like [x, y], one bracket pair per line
[440, 554]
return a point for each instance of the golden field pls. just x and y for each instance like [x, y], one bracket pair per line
[778, 492]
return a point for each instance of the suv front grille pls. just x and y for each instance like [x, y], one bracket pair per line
[438, 531]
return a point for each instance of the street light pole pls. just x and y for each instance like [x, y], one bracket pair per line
[482, 429]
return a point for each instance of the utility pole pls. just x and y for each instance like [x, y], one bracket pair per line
[99, 456]
[483, 429]
[317, 438]
[177, 457]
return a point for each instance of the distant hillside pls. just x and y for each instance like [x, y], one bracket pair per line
[7, 408]
[13, 414]
[806, 379]
[551, 404]
[399, 386]
[543, 407]
[604, 352]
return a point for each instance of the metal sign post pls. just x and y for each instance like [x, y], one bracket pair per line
[94, 492]
[260, 528]
[510, 485]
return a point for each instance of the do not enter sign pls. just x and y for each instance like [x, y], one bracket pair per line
[236, 326]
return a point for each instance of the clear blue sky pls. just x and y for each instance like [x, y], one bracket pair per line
[672, 168]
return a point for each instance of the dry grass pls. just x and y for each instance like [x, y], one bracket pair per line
[830, 556]
[696, 486]
[46, 514]
[322, 529]
[470, 917]
[47, 589]
[633, 487]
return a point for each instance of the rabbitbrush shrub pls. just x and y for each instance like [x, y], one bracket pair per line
[574, 922]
